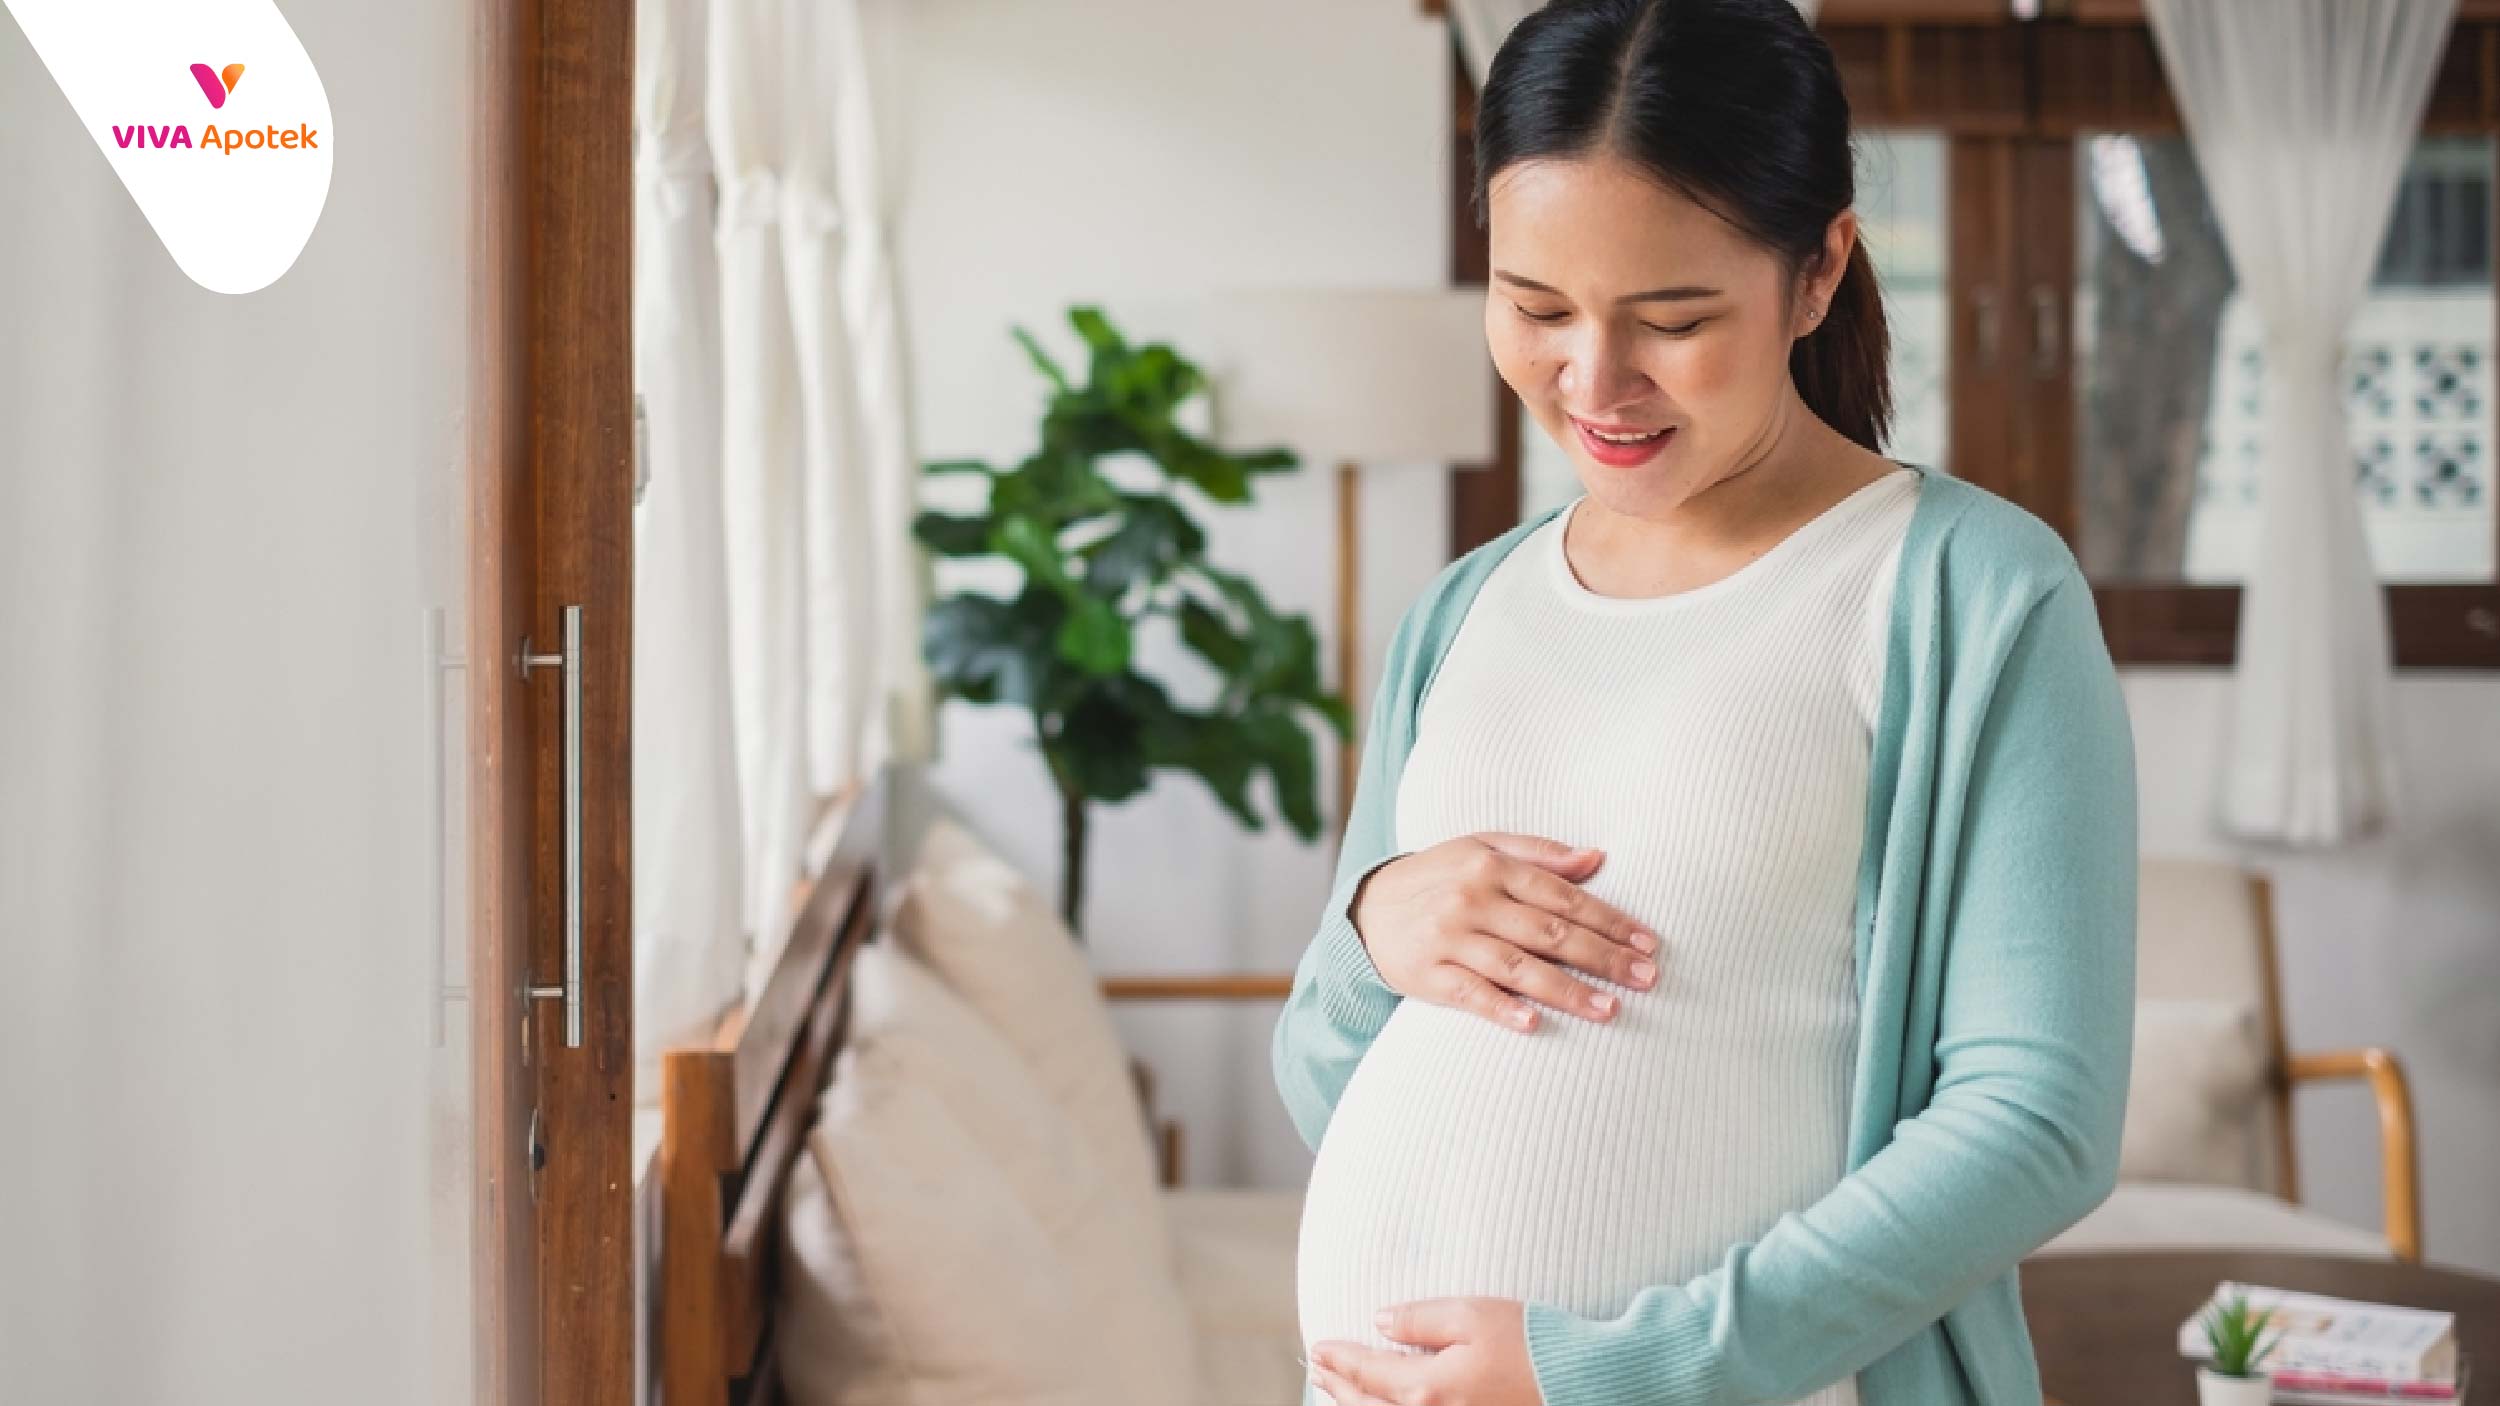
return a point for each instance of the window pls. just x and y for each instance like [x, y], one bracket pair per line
[1905, 223]
[2170, 373]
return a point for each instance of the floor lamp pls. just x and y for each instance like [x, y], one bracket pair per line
[1350, 377]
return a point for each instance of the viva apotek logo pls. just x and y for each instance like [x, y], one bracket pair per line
[218, 86]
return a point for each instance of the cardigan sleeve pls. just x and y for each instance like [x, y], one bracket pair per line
[1338, 1001]
[2020, 1138]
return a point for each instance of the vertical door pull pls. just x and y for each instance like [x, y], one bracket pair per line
[1988, 324]
[2047, 343]
[570, 661]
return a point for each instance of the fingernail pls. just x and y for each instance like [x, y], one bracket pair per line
[1643, 971]
[1601, 1002]
[1645, 940]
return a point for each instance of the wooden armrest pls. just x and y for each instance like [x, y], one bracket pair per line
[1233, 986]
[1229, 986]
[2398, 1153]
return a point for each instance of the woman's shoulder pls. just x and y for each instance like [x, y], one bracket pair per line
[1983, 548]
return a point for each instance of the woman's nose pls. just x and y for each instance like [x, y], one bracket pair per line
[1598, 375]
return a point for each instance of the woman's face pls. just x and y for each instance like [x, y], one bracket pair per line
[1618, 304]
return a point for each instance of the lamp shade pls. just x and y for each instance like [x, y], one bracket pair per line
[1364, 375]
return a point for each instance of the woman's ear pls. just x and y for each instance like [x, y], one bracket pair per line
[1838, 240]
[1814, 298]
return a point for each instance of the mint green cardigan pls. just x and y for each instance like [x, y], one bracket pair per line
[1996, 985]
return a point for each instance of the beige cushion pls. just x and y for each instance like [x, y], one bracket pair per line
[2168, 1216]
[998, 941]
[2199, 928]
[1236, 1249]
[2192, 1097]
[953, 1239]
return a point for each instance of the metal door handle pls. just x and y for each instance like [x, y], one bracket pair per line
[1987, 323]
[2045, 337]
[570, 661]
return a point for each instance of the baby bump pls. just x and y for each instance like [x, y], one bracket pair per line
[1573, 1164]
[1466, 1159]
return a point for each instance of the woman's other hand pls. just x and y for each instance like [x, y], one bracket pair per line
[1476, 1355]
[1474, 919]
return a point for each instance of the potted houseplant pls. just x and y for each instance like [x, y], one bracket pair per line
[2231, 1375]
[1098, 559]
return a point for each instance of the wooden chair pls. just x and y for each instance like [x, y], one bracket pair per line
[2205, 928]
[1267, 989]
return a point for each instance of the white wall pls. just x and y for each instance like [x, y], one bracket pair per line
[1091, 149]
[221, 520]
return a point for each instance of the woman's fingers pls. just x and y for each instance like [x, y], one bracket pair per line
[1618, 935]
[1536, 932]
[1508, 959]
[1537, 849]
[1463, 989]
[1342, 1391]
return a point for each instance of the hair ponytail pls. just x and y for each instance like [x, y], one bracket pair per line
[1842, 364]
[1738, 104]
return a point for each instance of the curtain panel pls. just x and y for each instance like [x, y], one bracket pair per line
[2301, 114]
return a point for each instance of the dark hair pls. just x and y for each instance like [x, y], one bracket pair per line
[1735, 104]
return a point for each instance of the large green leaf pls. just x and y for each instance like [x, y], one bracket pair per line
[1101, 741]
[1095, 637]
[1107, 346]
[1041, 359]
[1212, 747]
[1284, 748]
[1206, 632]
[950, 536]
[993, 650]
[1153, 537]
[1032, 545]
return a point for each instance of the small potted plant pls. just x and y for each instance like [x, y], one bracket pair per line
[2230, 1375]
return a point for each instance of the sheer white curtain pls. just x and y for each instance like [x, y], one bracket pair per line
[902, 574]
[2301, 114]
[688, 838]
[779, 595]
[1482, 25]
[863, 617]
[750, 72]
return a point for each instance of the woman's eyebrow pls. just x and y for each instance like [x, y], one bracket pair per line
[1654, 295]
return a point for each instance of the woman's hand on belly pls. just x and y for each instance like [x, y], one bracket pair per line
[1474, 918]
[1476, 1354]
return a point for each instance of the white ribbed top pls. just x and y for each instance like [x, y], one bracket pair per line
[1714, 742]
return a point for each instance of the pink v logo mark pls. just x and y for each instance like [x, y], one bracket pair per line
[217, 85]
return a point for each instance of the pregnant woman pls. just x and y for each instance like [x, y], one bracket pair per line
[1729, 973]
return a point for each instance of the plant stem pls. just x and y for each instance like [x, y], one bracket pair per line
[1072, 858]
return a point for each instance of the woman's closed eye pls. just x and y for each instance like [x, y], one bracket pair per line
[1684, 330]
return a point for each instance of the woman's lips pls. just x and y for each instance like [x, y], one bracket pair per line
[1621, 456]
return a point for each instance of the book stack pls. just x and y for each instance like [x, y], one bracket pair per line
[2338, 1352]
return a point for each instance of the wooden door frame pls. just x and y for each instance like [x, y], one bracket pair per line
[550, 481]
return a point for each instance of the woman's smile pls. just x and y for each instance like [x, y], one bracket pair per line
[1619, 451]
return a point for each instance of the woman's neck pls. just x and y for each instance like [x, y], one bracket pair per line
[1801, 469]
